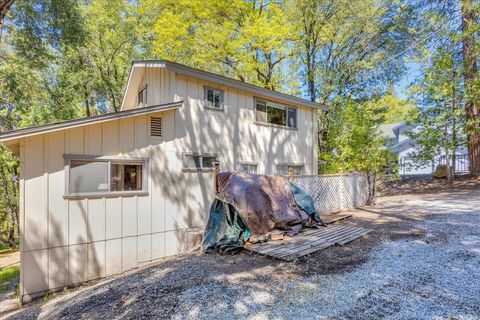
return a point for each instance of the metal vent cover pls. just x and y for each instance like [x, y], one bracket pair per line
[156, 127]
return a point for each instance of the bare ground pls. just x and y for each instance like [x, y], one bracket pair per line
[421, 261]
[427, 184]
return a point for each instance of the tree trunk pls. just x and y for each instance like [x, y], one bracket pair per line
[371, 185]
[4, 7]
[470, 77]
[87, 103]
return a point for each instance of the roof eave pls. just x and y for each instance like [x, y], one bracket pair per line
[212, 77]
[8, 136]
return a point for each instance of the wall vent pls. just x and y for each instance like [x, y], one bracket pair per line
[156, 127]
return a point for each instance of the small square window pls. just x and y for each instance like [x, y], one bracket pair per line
[213, 98]
[142, 97]
[272, 113]
[199, 161]
[247, 167]
[283, 169]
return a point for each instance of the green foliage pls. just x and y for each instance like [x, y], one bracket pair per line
[351, 52]
[442, 117]
[64, 59]
[247, 40]
[395, 108]
[8, 198]
[354, 143]
[7, 275]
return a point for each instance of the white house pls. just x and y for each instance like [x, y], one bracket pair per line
[398, 142]
[106, 194]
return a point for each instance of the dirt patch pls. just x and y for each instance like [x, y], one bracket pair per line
[426, 184]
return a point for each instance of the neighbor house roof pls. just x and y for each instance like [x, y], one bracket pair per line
[21, 133]
[215, 78]
[388, 130]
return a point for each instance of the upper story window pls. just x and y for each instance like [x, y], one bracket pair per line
[213, 98]
[142, 97]
[268, 112]
[92, 176]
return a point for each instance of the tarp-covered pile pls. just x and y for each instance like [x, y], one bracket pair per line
[256, 207]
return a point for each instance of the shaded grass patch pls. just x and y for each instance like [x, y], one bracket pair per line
[7, 275]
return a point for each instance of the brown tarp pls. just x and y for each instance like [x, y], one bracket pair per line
[265, 203]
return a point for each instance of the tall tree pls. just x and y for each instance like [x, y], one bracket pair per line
[4, 7]
[470, 29]
[441, 117]
[247, 40]
[9, 220]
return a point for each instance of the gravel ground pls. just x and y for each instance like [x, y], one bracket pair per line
[422, 261]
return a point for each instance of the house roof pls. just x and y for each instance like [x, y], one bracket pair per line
[8, 136]
[212, 77]
[388, 130]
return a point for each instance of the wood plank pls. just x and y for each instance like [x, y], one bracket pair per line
[331, 240]
[309, 241]
[267, 246]
[317, 238]
[355, 234]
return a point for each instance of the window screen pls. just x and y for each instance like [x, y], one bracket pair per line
[88, 176]
[261, 111]
[192, 161]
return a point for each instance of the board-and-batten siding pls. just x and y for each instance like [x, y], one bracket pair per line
[235, 136]
[67, 241]
[160, 84]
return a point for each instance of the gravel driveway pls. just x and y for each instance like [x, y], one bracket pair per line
[422, 261]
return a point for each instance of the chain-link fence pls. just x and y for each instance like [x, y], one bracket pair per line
[333, 193]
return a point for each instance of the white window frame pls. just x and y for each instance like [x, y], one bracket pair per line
[210, 106]
[68, 158]
[278, 106]
[201, 155]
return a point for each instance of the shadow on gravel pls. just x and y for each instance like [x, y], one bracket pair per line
[158, 291]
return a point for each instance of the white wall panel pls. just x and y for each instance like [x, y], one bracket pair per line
[96, 260]
[96, 220]
[77, 263]
[77, 230]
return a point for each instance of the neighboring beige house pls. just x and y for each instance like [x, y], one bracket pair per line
[106, 194]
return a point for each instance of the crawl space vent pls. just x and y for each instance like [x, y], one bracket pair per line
[156, 127]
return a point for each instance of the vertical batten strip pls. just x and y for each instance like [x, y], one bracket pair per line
[22, 214]
[46, 195]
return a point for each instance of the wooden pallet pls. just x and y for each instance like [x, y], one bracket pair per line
[308, 241]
